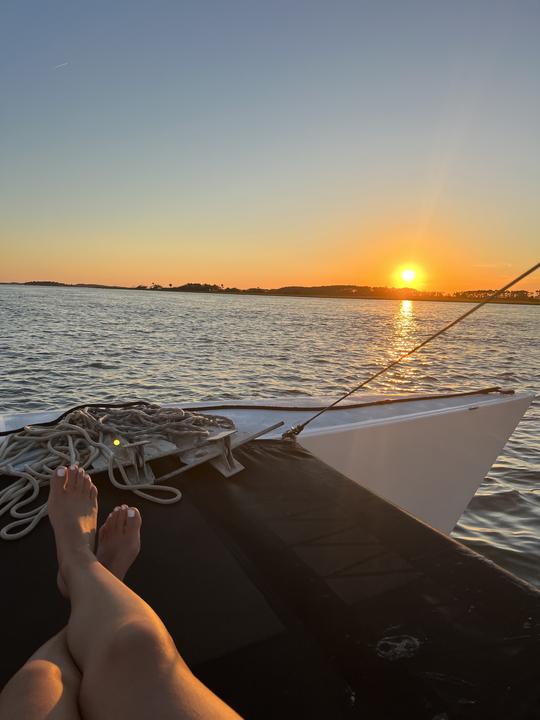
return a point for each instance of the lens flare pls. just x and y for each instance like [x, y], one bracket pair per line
[408, 274]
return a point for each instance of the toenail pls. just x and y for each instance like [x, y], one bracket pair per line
[61, 471]
[131, 512]
[117, 508]
[72, 467]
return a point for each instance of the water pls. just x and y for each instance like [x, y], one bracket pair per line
[63, 346]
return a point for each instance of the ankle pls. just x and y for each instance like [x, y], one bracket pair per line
[74, 560]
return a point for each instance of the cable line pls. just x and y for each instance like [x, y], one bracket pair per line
[297, 429]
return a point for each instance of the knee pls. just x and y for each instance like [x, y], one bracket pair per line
[142, 642]
[37, 673]
[38, 681]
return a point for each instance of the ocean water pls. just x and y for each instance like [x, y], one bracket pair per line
[63, 346]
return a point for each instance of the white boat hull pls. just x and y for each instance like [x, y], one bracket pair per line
[431, 464]
[427, 455]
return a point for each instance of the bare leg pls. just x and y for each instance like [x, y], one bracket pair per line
[48, 684]
[130, 665]
[46, 687]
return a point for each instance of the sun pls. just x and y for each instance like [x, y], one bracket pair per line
[408, 274]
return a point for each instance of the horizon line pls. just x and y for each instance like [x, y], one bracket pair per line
[344, 291]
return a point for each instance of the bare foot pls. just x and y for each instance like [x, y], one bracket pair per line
[119, 536]
[120, 540]
[72, 508]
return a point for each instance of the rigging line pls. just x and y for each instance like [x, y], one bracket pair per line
[297, 429]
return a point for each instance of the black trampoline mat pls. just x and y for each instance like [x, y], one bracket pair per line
[294, 593]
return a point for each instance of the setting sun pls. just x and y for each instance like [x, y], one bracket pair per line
[408, 275]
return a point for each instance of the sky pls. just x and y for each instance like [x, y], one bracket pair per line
[270, 143]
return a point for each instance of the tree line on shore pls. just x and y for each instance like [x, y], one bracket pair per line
[349, 291]
[341, 291]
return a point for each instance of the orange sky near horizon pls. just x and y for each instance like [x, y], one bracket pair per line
[111, 269]
[445, 260]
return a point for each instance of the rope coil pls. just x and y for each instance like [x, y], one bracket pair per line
[116, 436]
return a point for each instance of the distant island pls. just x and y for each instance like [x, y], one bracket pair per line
[359, 292]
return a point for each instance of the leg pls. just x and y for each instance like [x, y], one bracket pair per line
[130, 665]
[46, 687]
[48, 684]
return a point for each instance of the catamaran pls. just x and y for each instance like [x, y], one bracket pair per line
[307, 570]
[427, 454]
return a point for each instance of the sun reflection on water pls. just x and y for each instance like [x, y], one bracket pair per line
[404, 325]
[406, 308]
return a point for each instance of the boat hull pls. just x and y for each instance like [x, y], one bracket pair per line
[429, 464]
[427, 455]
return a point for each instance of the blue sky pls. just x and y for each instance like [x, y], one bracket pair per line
[260, 143]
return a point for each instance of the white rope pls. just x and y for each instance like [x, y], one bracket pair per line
[85, 436]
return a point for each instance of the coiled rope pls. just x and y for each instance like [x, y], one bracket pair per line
[116, 436]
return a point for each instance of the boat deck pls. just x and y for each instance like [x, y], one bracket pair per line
[261, 413]
[294, 593]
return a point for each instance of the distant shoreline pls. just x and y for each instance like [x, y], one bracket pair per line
[339, 292]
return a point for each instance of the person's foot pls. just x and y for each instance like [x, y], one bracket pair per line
[120, 540]
[72, 509]
[119, 536]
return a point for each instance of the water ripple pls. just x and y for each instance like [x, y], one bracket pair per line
[63, 346]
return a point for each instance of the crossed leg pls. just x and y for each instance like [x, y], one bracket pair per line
[48, 684]
[129, 663]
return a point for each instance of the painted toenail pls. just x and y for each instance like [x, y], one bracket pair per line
[61, 471]
[131, 512]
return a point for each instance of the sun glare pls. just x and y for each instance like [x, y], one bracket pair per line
[408, 274]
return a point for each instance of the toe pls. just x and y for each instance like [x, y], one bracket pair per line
[58, 480]
[81, 482]
[115, 519]
[134, 519]
[122, 518]
[93, 491]
[86, 483]
[122, 513]
[72, 481]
